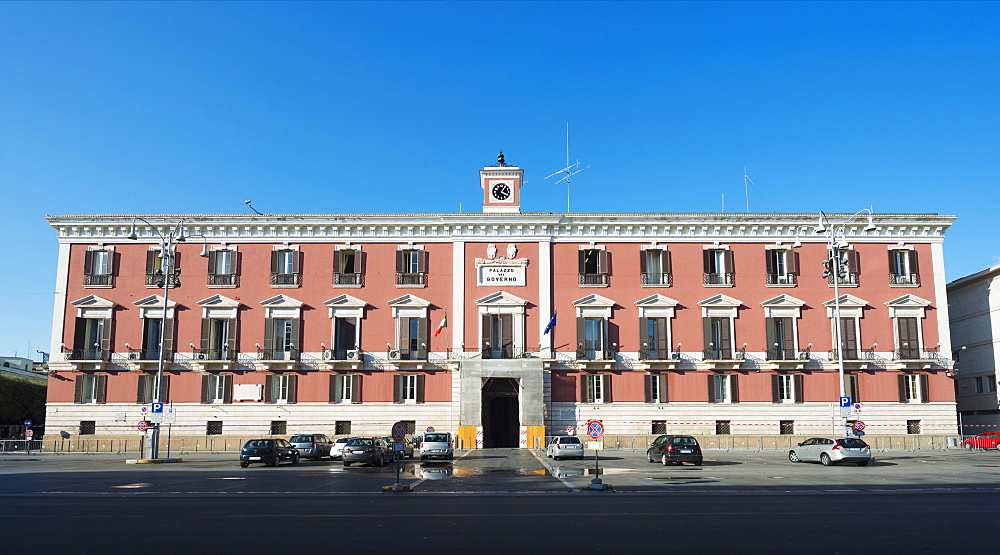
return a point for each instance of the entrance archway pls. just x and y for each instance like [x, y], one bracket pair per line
[501, 416]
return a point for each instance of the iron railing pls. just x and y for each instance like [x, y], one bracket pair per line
[156, 279]
[849, 279]
[146, 354]
[291, 353]
[656, 278]
[411, 278]
[594, 279]
[720, 279]
[278, 278]
[349, 279]
[98, 279]
[406, 354]
[915, 353]
[344, 354]
[88, 354]
[781, 279]
[723, 354]
[223, 279]
[904, 279]
[213, 354]
[854, 354]
[781, 354]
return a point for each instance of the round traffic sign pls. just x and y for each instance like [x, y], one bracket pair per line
[859, 425]
[430, 429]
[570, 429]
[28, 434]
[595, 429]
[398, 431]
[27, 422]
[142, 425]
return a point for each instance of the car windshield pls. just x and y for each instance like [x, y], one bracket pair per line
[361, 442]
[436, 438]
[853, 442]
[685, 441]
[258, 443]
[301, 439]
[343, 439]
[573, 440]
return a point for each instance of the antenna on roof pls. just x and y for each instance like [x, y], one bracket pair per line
[570, 170]
[247, 202]
[746, 187]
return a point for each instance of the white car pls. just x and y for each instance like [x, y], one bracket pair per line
[437, 445]
[337, 449]
[565, 447]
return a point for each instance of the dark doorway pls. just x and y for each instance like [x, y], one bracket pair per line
[501, 423]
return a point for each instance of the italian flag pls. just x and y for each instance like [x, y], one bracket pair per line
[442, 325]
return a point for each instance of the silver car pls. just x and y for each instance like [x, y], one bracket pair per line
[436, 445]
[829, 450]
[313, 446]
[568, 447]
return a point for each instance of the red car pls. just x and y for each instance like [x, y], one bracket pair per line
[985, 440]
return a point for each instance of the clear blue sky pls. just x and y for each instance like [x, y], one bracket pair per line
[393, 107]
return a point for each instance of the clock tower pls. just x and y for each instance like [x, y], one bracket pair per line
[501, 186]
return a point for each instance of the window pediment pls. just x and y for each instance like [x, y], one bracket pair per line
[907, 306]
[409, 306]
[218, 301]
[93, 301]
[281, 301]
[656, 306]
[593, 306]
[501, 298]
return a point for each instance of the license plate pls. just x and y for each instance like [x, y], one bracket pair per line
[358, 452]
[685, 450]
[254, 458]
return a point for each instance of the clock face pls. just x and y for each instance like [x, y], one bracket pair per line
[501, 191]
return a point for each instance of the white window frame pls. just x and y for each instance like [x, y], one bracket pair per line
[596, 388]
[655, 395]
[409, 389]
[344, 389]
[786, 388]
[911, 385]
[279, 388]
[216, 388]
[723, 384]
[88, 393]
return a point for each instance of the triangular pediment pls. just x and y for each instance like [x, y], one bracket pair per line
[908, 300]
[501, 298]
[93, 301]
[154, 301]
[219, 301]
[847, 301]
[409, 300]
[594, 300]
[345, 301]
[281, 301]
[656, 300]
[783, 300]
[721, 300]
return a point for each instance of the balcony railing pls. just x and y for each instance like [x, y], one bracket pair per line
[587, 354]
[854, 354]
[594, 279]
[723, 354]
[406, 354]
[781, 279]
[508, 352]
[849, 279]
[146, 354]
[98, 279]
[349, 279]
[656, 278]
[223, 279]
[290, 353]
[155, 279]
[652, 353]
[285, 279]
[88, 354]
[344, 354]
[411, 278]
[782, 354]
[719, 279]
[904, 279]
[914, 353]
[213, 354]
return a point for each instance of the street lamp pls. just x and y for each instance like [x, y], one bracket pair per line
[168, 273]
[836, 239]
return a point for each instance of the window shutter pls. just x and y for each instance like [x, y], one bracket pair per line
[902, 388]
[165, 389]
[507, 334]
[140, 394]
[642, 260]
[206, 329]
[711, 388]
[606, 383]
[487, 336]
[420, 388]
[102, 388]
[233, 331]
[661, 380]
[78, 394]
[293, 388]
[585, 392]
[80, 334]
[88, 263]
[914, 267]
[334, 378]
[650, 383]
[852, 262]
[776, 388]
[176, 262]
[769, 261]
[204, 388]
[355, 388]
[359, 260]
[662, 347]
[236, 257]
[401, 261]
[848, 337]
[296, 262]
[274, 261]
[772, 335]
[645, 345]
[706, 256]
[788, 334]
[227, 388]
[792, 261]
[582, 261]
[603, 262]
[422, 337]
[725, 338]
[421, 262]
[707, 329]
[924, 391]
[581, 337]
[734, 384]
[893, 269]
[212, 255]
[397, 388]
[851, 387]
[665, 262]
[106, 339]
[269, 334]
[730, 265]
[404, 335]
[296, 333]
[797, 385]
[269, 388]
[168, 337]
[151, 261]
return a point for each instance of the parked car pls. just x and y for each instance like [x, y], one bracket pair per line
[565, 448]
[829, 450]
[670, 449]
[985, 440]
[268, 451]
[436, 445]
[406, 453]
[314, 446]
[337, 449]
[370, 450]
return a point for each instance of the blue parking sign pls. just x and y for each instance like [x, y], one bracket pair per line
[156, 407]
[845, 402]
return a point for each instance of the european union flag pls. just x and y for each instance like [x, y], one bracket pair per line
[552, 323]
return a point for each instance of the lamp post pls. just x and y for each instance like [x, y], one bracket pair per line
[168, 248]
[836, 239]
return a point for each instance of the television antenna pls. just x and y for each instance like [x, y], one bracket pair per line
[570, 170]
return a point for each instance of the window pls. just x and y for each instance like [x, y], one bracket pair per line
[780, 338]
[345, 388]
[152, 330]
[977, 384]
[786, 427]
[718, 339]
[851, 387]
[656, 388]
[654, 265]
[908, 338]
[218, 339]
[719, 267]
[279, 427]
[781, 267]
[408, 388]
[723, 388]
[409, 426]
[88, 427]
[347, 268]
[92, 339]
[156, 266]
[345, 336]
[498, 336]
[786, 388]
[595, 388]
[848, 338]
[593, 267]
[222, 268]
[913, 426]
[280, 388]
[592, 339]
[281, 339]
[342, 427]
[722, 427]
[847, 273]
[217, 388]
[659, 427]
[913, 388]
[653, 341]
[903, 268]
[91, 388]
[285, 266]
[213, 428]
[412, 338]
[411, 268]
[146, 392]
[97, 268]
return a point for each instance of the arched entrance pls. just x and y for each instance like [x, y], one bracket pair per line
[501, 416]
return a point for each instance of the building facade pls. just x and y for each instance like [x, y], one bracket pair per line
[974, 307]
[500, 326]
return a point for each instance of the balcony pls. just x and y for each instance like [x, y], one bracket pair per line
[98, 280]
[656, 279]
[214, 354]
[353, 355]
[594, 280]
[726, 355]
[155, 279]
[849, 279]
[147, 355]
[783, 354]
[89, 354]
[652, 353]
[904, 280]
[854, 354]
[407, 354]
[285, 279]
[411, 279]
[781, 279]
[510, 351]
[231, 280]
[725, 279]
[289, 354]
[914, 353]
[350, 280]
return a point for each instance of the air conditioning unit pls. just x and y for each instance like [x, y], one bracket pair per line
[327, 354]
[803, 356]
[201, 356]
[394, 354]
[675, 356]
[353, 354]
[133, 356]
[525, 355]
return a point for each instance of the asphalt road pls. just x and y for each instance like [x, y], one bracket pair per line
[502, 501]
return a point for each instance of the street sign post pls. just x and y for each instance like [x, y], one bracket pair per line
[398, 431]
[27, 422]
[28, 434]
[595, 429]
[142, 425]
[156, 408]
[845, 402]
[859, 426]
[430, 429]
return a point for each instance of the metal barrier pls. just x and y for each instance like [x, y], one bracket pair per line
[773, 442]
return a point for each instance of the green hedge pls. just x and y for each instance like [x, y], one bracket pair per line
[20, 400]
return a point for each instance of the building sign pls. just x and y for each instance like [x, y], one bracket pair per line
[502, 272]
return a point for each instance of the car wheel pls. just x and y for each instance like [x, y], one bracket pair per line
[794, 457]
[346, 464]
[295, 459]
[968, 446]
[862, 463]
[244, 464]
[825, 459]
[664, 460]
[381, 460]
[276, 461]
[649, 456]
